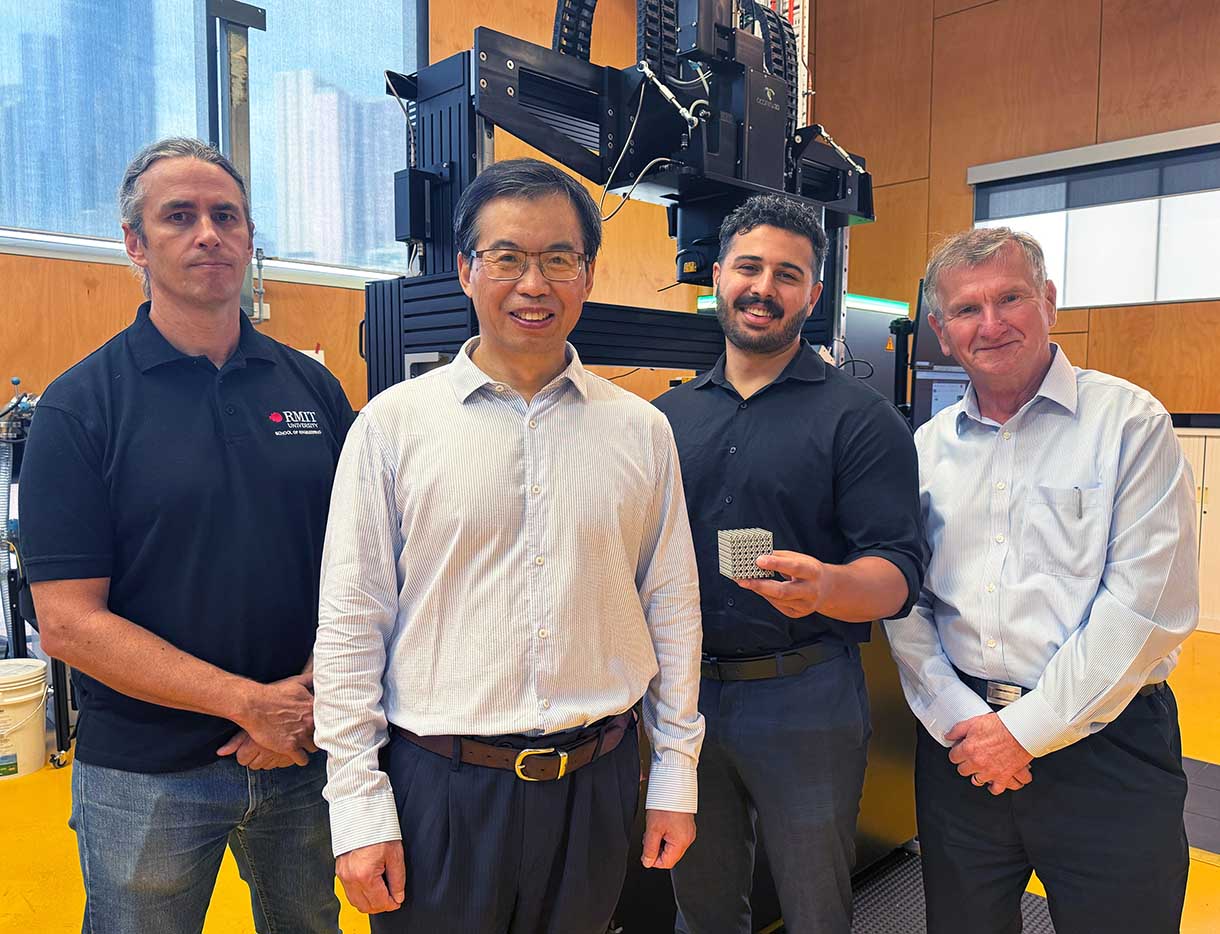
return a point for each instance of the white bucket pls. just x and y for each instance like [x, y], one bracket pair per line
[23, 711]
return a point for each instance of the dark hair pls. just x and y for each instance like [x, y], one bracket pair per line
[788, 214]
[523, 178]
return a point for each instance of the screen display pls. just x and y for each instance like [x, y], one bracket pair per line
[934, 389]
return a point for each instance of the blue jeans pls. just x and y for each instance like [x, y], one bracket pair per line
[782, 759]
[151, 845]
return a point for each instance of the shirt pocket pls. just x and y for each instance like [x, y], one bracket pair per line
[1066, 530]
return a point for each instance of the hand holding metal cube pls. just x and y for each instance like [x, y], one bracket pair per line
[739, 549]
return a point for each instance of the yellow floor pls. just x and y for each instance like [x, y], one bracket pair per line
[41, 893]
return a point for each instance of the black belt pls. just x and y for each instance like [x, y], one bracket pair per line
[776, 665]
[1001, 694]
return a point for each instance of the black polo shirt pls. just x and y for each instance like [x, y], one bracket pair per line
[202, 494]
[818, 458]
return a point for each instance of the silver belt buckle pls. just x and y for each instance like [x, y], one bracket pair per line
[1000, 694]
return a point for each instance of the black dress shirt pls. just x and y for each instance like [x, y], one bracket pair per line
[818, 458]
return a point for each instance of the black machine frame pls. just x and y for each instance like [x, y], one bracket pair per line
[700, 146]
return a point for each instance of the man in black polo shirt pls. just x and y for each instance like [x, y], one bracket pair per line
[774, 438]
[173, 505]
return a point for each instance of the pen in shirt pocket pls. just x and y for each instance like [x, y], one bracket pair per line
[1079, 503]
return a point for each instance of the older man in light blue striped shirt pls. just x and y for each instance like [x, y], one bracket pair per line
[1059, 511]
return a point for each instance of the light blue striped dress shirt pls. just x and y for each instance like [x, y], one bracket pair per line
[494, 566]
[1064, 558]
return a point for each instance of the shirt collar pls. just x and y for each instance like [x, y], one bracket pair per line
[806, 365]
[1058, 386]
[466, 378]
[150, 348]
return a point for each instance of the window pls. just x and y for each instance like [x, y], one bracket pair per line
[85, 84]
[1133, 231]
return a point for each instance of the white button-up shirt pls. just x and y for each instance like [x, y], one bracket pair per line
[494, 566]
[1064, 558]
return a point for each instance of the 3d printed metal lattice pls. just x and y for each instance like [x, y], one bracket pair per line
[738, 550]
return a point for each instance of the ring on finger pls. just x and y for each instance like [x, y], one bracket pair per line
[976, 781]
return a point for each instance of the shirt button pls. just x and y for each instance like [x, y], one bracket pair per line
[230, 410]
[533, 424]
[728, 499]
[1000, 539]
[991, 588]
[743, 405]
[733, 449]
[540, 561]
[545, 703]
[535, 489]
[1007, 435]
[731, 602]
[499, 388]
[991, 643]
[1001, 485]
[543, 633]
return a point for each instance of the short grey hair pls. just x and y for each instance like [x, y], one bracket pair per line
[974, 248]
[131, 192]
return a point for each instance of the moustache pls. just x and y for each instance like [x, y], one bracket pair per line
[772, 309]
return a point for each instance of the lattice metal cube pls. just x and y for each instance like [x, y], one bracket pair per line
[738, 550]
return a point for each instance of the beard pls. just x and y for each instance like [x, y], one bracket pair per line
[771, 341]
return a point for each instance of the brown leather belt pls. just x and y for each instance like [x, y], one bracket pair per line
[534, 764]
[778, 665]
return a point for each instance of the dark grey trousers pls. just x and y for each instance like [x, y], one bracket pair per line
[785, 756]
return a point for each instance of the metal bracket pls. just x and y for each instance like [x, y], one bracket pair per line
[228, 26]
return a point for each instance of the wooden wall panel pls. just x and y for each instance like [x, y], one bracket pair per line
[1170, 350]
[1071, 320]
[946, 7]
[637, 255]
[56, 312]
[873, 93]
[648, 383]
[888, 256]
[1076, 346]
[1010, 78]
[1158, 66]
[309, 316]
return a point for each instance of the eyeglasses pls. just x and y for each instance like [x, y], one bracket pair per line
[556, 265]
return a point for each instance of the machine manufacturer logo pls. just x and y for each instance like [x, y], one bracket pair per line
[767, 99]
[294, 422]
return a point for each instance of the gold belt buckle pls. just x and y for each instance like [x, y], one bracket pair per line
[1001, 694]
[525, 753]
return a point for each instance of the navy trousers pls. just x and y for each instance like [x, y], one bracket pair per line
[1101, 823]
[488, 853]
[785, 756]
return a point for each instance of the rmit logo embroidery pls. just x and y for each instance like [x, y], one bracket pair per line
[295, 422]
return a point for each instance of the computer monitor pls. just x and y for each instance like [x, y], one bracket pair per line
[925, 348]
[935, 388]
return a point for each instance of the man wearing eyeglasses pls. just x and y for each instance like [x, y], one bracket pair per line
[507, 571]
[1059, 511]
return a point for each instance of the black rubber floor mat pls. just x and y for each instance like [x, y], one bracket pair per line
[1203, 805]
[889, 900]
